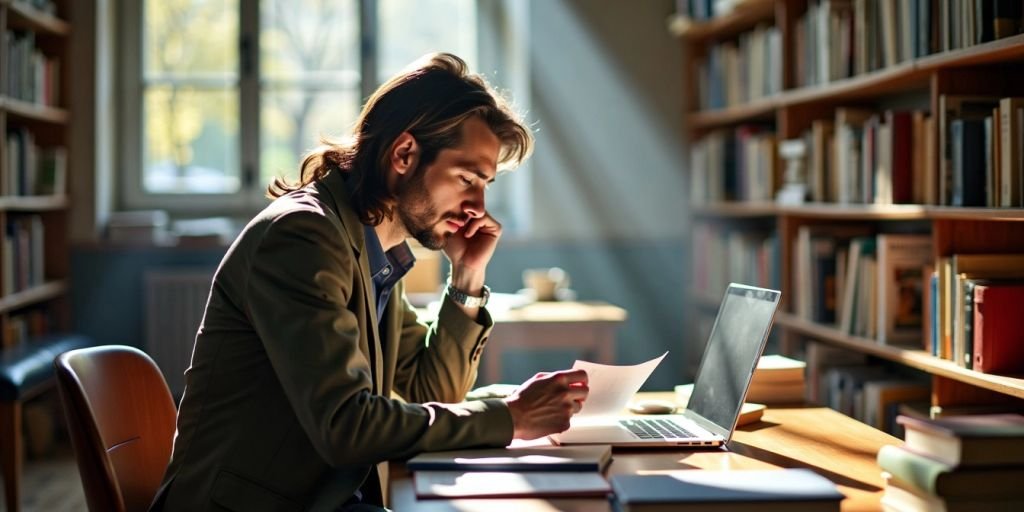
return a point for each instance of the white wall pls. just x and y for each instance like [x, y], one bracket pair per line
[607, 99]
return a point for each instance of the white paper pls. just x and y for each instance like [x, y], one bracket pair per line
[612, 387]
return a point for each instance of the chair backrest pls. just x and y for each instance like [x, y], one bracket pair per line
[121, 417]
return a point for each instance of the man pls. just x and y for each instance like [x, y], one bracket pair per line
[307, 333]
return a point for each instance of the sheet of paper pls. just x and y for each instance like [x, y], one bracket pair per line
[612, 387]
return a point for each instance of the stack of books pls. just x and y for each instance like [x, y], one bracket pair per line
[956, 463]
[777, 380]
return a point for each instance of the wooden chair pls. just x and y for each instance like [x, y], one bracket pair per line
[121, 417]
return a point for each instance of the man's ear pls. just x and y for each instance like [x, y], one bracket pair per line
[405, 153]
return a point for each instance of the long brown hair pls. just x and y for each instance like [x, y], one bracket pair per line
[430, 100]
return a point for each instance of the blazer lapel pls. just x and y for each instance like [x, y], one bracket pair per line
[334, 185]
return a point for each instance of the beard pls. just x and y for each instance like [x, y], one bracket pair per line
[416, 211]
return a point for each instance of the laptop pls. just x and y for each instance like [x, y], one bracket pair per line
[737, 340]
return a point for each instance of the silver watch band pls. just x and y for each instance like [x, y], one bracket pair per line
[461, 297]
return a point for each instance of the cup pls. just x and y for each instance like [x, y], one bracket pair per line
[545, 282]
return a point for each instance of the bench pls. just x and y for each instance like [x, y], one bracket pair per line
[26, 370]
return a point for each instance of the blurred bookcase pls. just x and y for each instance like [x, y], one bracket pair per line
[34, 166]
[907, 118]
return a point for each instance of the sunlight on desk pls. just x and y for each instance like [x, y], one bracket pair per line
[823, 440]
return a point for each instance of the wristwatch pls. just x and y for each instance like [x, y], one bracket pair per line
[461, 297]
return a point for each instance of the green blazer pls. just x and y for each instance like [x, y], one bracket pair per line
[288, 401]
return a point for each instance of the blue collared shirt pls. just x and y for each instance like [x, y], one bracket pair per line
[386, 268]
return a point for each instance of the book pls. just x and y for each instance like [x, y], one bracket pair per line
[934, 477]
[770, 393]
[901, 260]
[965, 266]
[542, 458]
[900, 497]
[778, 368]
[749, 412]
[795, 490]
[820, 358]
[493, 484]
[998, 339]
[952, 107]
[882, 398]
[988, 439]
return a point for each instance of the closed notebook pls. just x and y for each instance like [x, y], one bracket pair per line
[794, 490]
[505, 484]
[544, 458]
[982, 440]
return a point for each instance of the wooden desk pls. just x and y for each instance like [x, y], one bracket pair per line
[833, 445]
[589, 327]
[586, 326]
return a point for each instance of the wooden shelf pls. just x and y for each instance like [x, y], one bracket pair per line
[744, 16]
[31, 111]
[735, 209]
[44, 292]
[913, 358]
[905, 76]
[24, 15]
[901, 77]
[856, 211]
[708, 119]
[1007, 49]
[953, 213]
[33, 203]
[730, 209]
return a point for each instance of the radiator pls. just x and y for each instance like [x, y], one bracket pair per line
[174, 304]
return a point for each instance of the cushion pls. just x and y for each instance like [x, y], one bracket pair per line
[28, 365]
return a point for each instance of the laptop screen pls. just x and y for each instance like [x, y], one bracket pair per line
[737, 339]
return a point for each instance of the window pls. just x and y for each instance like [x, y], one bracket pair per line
[220, 96]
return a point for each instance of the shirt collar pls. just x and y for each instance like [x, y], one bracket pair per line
[392, 264]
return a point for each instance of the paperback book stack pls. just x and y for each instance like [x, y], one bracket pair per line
[777, 380]
[956, 463]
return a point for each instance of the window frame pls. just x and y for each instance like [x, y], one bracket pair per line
[507, 51]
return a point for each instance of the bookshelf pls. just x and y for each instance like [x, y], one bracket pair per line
[914, 77]
[35, 115]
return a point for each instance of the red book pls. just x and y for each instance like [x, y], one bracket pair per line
[902, 157]
[998, 337]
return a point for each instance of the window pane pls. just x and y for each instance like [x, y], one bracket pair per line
[293, 120]
[309, 64]
[190, 140]
[190, 37]
[411, 28]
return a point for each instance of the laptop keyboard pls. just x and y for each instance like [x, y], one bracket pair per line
[656, 429]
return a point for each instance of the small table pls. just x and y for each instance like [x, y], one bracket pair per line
[586, 326]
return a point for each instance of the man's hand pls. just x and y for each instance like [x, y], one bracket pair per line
[544, 404]
[470, 250]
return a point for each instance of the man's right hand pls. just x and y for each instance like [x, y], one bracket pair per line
[544, 404]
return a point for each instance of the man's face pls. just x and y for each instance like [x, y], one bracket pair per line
[439, 200]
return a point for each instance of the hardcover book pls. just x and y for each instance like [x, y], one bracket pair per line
[934, 477]
[983, 440]
[998, 337]
[795, 490]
